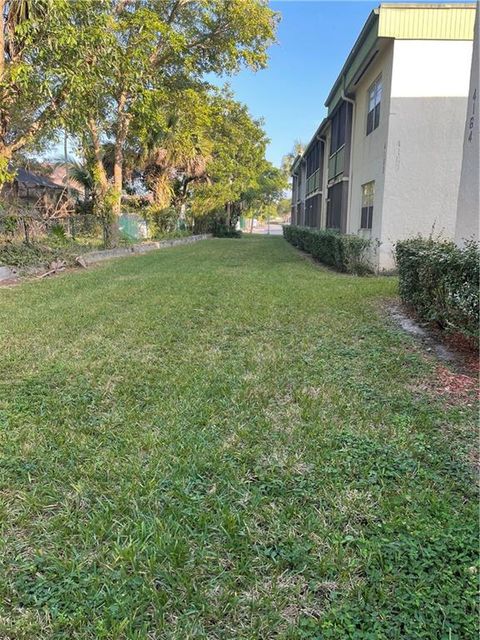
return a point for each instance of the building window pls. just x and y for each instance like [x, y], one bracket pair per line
[334, 206]
[314, 164]
[313, 158]
[374, 100]
[312, 211]
[368, 194]
[294, 188]
[340, 122]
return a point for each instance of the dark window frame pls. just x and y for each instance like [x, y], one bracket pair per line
[338, 136]
[313, 207]
[374, 101]
[314, 158]
[334, 206]
[366, 219]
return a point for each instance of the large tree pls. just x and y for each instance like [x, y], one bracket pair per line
[179, 151]
[263, 196]
[149, 49]
[37, 64]
[238, 158]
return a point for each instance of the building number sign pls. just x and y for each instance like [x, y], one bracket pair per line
[471, 122]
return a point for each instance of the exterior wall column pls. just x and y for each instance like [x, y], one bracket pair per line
[468, 207]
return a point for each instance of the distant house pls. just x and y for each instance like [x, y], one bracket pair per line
[385, 162]
[39, 192]
[29, 185]
[58, 173]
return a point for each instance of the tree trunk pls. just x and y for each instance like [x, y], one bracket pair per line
[2, 39]
[101, 177]
[110, 232]
[123, 122]
[118, 179]
[5, 157]
[120, 138]
[113, 230]
[110, 224]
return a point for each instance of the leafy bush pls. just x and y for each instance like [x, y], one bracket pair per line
[217, 224]
[172, 235]
[24, 256]
[203, 223]
[221, 230]
[161, 220]
[441, 282]
[58, 232]
[344, 252]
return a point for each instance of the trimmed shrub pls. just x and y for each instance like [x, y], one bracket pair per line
[347, 253]
[221, 230]
[216, 224]
[441, 282]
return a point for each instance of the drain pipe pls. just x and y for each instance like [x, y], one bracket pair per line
[323, 209]
[350, 172]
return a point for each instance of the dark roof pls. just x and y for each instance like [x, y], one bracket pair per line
[30, 179]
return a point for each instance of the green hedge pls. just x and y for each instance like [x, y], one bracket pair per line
[441, 282]
[222, 230]
[346, 253]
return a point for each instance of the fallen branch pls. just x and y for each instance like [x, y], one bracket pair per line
[55, 267]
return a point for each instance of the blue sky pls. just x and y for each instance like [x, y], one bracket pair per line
[314, 38]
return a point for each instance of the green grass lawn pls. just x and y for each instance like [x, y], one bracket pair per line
[225, 441]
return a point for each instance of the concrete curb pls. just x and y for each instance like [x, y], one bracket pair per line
[9, 273]
[121, 252]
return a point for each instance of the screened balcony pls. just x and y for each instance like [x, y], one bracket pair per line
[336, 163]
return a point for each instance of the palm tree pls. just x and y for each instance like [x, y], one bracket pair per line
[289, 158]
[171, 161]
[14, 13]
[82, 175]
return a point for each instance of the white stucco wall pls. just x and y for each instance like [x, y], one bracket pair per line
[368, 152]
[429, 91]
[431, 68]
[468, 208]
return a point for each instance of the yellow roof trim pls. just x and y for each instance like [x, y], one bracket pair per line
[426, 22]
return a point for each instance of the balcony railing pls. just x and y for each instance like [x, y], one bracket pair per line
[313, 182]
[336, 163]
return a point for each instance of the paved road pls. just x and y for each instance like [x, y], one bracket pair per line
[275, 230]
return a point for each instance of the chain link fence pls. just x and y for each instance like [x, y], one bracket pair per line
[31, 226]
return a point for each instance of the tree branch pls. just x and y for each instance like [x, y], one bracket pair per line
[177, 5]
[46, 114]
[2, 39]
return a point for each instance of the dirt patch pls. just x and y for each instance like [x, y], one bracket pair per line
[11, 282]
[451, 349]
[454, 388]
[456, 379]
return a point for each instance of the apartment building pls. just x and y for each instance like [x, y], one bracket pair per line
[385, 163]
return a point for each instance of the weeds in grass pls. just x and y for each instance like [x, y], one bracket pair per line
[222, 441]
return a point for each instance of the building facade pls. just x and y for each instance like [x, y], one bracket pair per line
[386, 161]
[468, 223]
